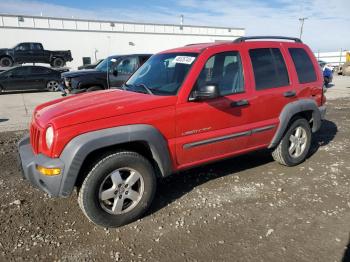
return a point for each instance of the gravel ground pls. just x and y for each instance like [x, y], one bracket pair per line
[247, 208]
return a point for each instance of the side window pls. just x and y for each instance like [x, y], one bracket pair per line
[20, 71]
[303, 65]
[127, 66]
[224, 70]
[36, 46]
[39, 70]
[22, 47]
[269, 68]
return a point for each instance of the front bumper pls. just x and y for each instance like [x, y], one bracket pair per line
[28, 162]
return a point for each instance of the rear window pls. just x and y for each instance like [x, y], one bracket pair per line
[303, 65]
[269, 68]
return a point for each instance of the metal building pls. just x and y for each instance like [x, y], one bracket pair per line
[97, 38]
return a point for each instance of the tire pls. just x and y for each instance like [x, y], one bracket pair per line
[93, 88]
[107, 202]
[58, 62]
[52, 86]
[287, 154]
[6, 61]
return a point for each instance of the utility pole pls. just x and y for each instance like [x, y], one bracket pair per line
[302, 20]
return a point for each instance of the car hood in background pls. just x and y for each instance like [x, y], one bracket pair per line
[82, 73]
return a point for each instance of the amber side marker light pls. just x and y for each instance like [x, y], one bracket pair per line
[48, 171]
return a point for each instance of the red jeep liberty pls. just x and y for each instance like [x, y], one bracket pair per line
[184, 107]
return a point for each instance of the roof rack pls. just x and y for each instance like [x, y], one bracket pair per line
[245, 38]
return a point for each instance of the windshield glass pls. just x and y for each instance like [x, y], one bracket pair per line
[162, 74]
[102, 66]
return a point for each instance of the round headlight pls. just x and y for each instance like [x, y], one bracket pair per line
[49, 136]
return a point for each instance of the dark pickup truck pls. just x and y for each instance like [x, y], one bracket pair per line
[33, 53]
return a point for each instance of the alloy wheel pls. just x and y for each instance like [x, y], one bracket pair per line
[297, 142]
[52, 86]
[121, 191]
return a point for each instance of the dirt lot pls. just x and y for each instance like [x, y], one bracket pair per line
[244, 209]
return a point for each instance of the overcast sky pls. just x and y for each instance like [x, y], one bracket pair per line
[326, 29]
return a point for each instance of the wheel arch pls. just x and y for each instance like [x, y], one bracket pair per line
[305, 108]
[82, 151]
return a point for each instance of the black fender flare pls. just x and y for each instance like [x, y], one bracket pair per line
[289, 111]
[76, 151]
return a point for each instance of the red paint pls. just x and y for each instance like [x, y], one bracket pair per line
[175, 116]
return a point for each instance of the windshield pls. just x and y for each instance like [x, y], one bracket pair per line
[102, 66]
[162, 74]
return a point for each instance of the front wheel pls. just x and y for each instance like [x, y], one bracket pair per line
[6, 62]
[118, 189]
[295, 144]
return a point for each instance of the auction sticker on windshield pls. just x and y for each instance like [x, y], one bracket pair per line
[184, 60]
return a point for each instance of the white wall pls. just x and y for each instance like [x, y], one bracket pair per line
[83, 37]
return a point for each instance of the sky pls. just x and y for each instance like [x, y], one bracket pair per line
[326, 29]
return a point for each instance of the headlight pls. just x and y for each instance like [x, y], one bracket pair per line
[49, 136]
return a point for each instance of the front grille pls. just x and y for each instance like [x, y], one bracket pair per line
[34, 137]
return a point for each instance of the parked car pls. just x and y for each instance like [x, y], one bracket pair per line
[184, 107]
[119, 70]
[90, 66]
[33, 53]
[28, 78]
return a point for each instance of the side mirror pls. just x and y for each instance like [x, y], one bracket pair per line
[115, 73]
[10, 75]
[206, 92]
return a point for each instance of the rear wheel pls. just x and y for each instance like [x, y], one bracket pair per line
[295, 144]
[52, 86]
[58, 62]
[6, 61]
[118, 190]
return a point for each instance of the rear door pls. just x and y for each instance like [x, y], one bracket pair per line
[273, 88]
[37, 53]
[39, 76]
[217, 127]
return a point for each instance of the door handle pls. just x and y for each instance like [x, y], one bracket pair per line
[289, 94]
[238, 103]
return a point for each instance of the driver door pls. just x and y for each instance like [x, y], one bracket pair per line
[215, 128]
[122, 70]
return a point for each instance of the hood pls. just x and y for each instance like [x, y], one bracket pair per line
[82, 73]
[96, 105]
[3, 49]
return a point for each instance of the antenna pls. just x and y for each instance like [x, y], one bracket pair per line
[302, 20]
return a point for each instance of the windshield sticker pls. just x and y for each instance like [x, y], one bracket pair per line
[184, 60]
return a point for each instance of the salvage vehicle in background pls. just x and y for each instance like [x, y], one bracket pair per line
[184, 107]
[23, 78]
[33, 53]
[111, 72]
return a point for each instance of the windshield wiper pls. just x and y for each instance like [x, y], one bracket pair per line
[148, 91]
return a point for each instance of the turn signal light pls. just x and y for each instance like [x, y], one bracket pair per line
[48, 171]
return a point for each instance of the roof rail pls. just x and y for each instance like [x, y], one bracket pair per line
[244, 38]
[196, 44]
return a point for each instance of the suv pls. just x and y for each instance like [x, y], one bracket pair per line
[183, 108]
[119, 68]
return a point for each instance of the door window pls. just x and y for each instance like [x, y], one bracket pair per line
[303, 65]
[23, 47]
[36, 46]
[269, 68]
[39, 70]
[127, 66]
[20, 71]
[225, 71]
